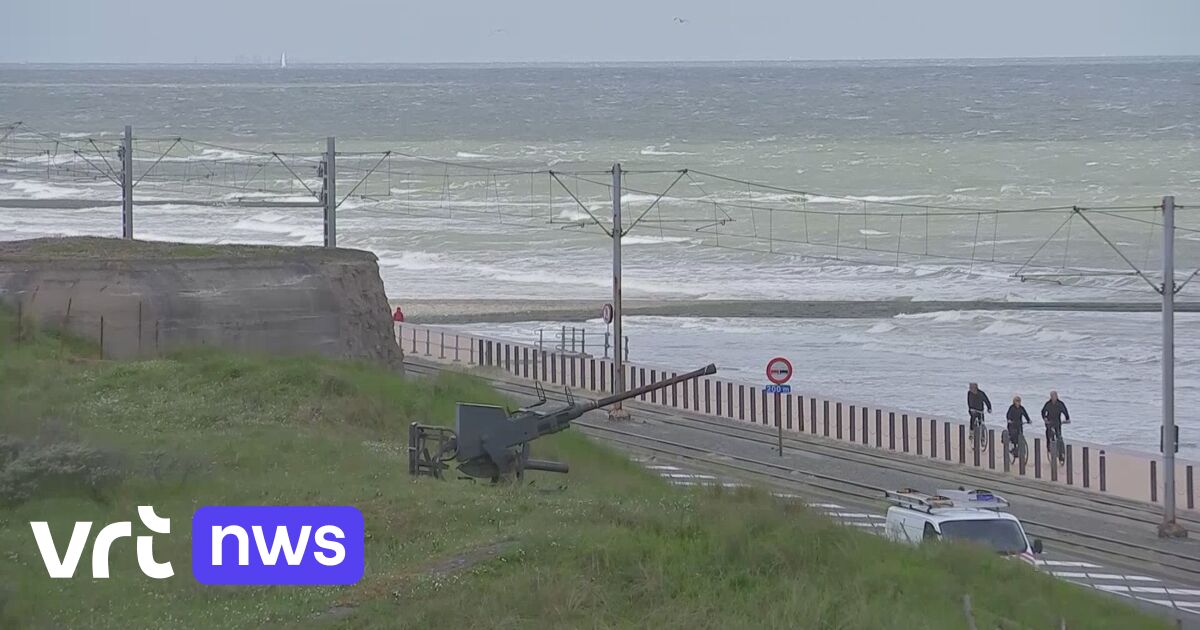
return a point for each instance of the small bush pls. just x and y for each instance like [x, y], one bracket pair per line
[39, 469]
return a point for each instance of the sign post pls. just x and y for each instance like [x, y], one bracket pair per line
[779, 372]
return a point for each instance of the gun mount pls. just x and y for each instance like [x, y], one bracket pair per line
[488, 442]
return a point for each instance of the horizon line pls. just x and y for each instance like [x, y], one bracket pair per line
[274, 61]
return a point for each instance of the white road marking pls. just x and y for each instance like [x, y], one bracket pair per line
[1105, 576]
[663, 467]
[703, 482]
[1187, 592]
[1068, 563]
[1069, 575]
[686, 476]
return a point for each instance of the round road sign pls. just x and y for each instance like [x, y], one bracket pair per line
[779, 370]
[607, 313]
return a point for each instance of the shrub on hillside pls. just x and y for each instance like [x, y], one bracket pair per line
[37, 468]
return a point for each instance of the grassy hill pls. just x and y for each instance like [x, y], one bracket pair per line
[609, 546]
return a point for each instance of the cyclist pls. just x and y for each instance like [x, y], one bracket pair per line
[1015, 414]
[1053, 414]
[977, 399]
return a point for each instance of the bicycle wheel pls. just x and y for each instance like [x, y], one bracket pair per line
[1023, 450]
[980, 436]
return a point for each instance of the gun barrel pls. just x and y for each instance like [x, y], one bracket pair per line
[608, 400]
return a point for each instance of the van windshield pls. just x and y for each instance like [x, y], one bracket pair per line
[1001, 535]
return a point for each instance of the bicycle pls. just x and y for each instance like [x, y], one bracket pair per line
[1022, 447]
[979, 433]
[1056, 447]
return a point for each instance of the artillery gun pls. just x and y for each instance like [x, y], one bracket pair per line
[488, 442]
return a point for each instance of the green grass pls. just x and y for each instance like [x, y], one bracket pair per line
[609, 546]
[99, 248]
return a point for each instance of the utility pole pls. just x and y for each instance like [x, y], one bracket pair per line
[617, 411]
[1168, 528]
[127, 183]
[329, 193]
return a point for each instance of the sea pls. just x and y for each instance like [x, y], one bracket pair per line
[1009, 180]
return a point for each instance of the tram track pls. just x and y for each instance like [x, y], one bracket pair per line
[1093, 546]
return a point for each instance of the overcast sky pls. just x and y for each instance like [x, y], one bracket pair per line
[599, 30]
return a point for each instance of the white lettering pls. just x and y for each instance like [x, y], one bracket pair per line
[104, 541]
[243, 541]
[145, 544]
[338, 549]
[64, 567]
[282, 541]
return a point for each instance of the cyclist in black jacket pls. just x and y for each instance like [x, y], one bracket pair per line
[1015, 414]
[1053, 413]
[976, 401]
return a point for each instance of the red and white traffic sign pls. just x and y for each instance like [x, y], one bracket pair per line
[779, 370]
[607, 313]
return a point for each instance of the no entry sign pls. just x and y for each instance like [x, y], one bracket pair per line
[607, 313]
[779, 370]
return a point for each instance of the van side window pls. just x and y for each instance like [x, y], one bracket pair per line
[930, 533]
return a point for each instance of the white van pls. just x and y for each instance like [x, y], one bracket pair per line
[975, 516]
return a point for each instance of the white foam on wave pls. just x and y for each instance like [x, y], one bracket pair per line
[872, 233]
[573, 214]
[654, 150]
[1060, 336]
[273, 223]
[411, 260]
[655, 240]
[465, 155]
[943, 317]
[213, 153]
[886, 198]
[42, 190]
[882, 327]
[1007, 328]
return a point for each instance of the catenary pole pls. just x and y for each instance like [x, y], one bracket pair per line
[330, 193]
[127, 183]
[617, 411]
[1169, 527]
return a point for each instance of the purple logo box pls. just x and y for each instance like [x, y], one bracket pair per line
[280, 545]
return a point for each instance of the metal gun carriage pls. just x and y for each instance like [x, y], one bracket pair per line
[489, 442]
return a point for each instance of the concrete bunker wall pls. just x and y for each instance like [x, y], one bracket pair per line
[333, 306]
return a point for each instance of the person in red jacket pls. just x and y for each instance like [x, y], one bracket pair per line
[398, 316]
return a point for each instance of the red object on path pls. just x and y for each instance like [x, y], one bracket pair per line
[398, 316]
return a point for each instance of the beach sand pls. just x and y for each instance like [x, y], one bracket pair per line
[466, 311]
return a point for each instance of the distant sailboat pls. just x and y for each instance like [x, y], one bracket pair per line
[283, 60]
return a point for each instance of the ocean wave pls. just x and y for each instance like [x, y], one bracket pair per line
[655, 240]
[41, 190]
[654, 150]
[944, 317]
[882, 327]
